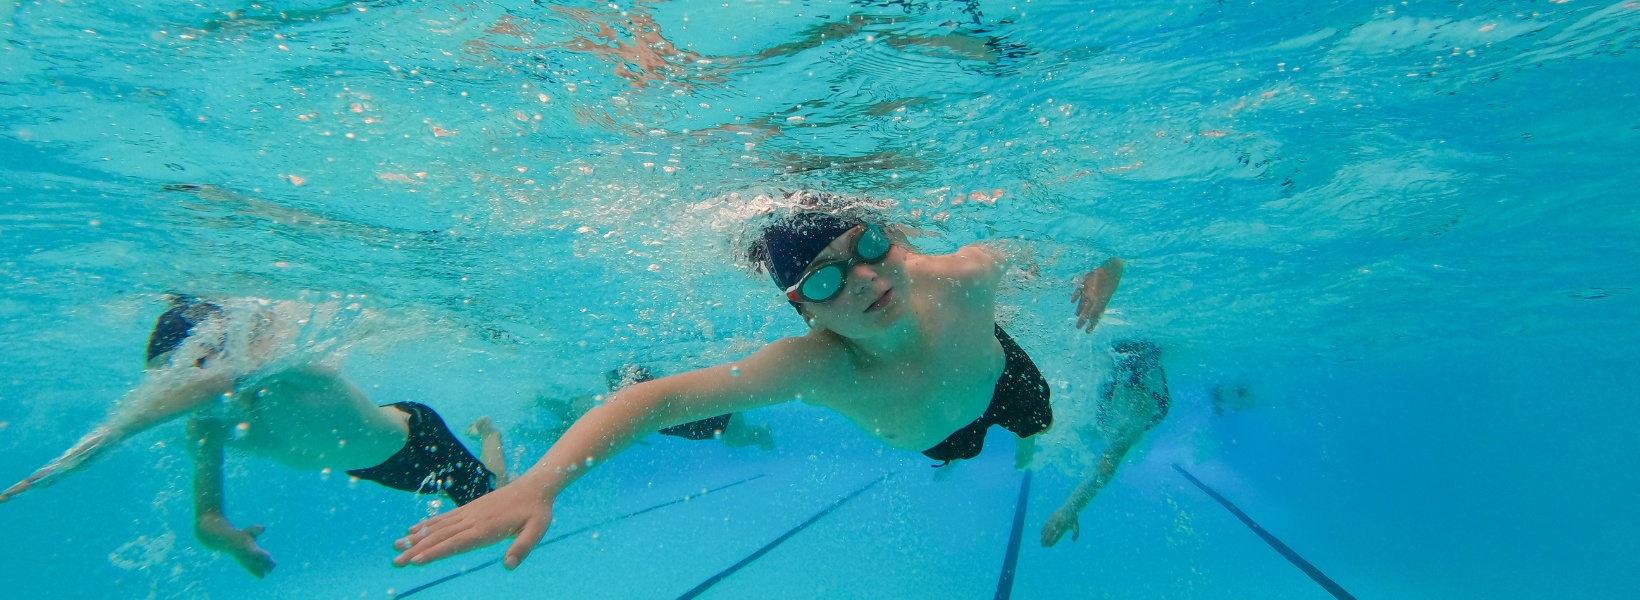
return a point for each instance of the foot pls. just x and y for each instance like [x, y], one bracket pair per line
[1024, 452]
[1094, 292]
[480, 428]
[764, 439]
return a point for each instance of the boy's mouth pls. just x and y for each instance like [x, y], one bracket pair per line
[881, 301]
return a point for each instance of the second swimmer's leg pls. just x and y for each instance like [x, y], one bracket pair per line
[1024, 452]
[489, 448]
[738, 434]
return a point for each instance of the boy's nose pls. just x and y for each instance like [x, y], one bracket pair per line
[861, 275]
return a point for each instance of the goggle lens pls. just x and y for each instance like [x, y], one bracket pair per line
[821, 285]
[872, 245]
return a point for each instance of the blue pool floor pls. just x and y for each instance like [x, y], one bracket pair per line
[911, 537]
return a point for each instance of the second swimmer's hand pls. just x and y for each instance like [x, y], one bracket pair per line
[217, 534]
[88, 448]
[1057, 525]
[521, 510]
[25, 485]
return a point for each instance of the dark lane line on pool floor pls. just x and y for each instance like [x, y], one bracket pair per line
[1010, 560]
[715, 579]
[492, 562]
[1298, 561]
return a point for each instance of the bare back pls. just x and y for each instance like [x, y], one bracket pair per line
[311, 418]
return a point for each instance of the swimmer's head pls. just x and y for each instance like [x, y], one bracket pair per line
[175, 325]
[842, 273]
[1134, 358]
[627, 376]
[788, 246]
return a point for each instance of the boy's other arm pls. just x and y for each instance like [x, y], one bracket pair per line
[1093, 293]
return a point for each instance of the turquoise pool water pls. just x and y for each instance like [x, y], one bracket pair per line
[1408, 228]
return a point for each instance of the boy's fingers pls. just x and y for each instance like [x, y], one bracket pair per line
[419, 549]
[255, 530]
[430, 522]
[451, 546]
[524, 544]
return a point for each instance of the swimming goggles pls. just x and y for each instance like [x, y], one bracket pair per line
[823, 281]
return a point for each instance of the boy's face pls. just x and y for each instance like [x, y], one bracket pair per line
[874, 296]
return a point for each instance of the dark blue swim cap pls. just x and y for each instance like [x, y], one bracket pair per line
[1134, 358]
[626, 376]
[790, 245]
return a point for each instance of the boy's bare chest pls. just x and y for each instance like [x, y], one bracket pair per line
[917, 404]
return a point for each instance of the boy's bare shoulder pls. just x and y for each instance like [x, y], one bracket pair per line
[969, 265]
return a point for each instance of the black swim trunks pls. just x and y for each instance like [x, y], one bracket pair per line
[1019, 403]
[704, 429]
[431, 461]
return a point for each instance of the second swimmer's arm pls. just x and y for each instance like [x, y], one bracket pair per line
[1065, 519]
[160, 397]
[1108, 463]
[211, 527]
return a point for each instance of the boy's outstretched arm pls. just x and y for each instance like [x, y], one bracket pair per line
[160, 397]
[523, 509]
[208, 436]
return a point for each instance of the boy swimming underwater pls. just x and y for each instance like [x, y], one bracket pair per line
[903, 344]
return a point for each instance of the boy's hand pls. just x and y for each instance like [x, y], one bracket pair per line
[217, 534]
[1057, 525]
[522, 510]
[1094, 292]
